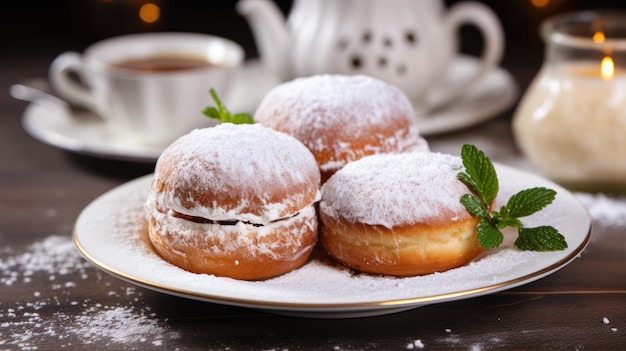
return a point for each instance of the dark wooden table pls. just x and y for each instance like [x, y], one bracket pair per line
[51, 298]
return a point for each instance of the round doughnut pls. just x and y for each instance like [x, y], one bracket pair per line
[342, 118]
[398, 214]
[235, 201]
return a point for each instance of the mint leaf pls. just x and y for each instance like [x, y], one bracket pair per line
[220, 107]
[488, 235]
[242, 118]
[481, 179]
[545, 238]
[467, 179]
[509, 222]
[503, 219]
[480, 173]
[529, 201]
[211, 112]
[222, 114]
[473, 205]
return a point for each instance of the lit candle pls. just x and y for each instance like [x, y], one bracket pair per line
[571, 123]
[607, 68]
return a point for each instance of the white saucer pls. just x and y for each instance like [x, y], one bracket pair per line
[491, 95]
[111, 233]
[86, 134]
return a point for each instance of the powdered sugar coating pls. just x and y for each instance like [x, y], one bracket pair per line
[345, 117]
[236, 172]
[340, 94]
[397, 189]
[239, 237]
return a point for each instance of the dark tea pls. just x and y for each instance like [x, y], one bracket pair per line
[164, 63]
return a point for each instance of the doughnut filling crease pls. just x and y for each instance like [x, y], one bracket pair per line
[235, 201]
[198, 219]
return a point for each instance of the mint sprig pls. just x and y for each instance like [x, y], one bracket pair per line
[481, 178]
[222, 114]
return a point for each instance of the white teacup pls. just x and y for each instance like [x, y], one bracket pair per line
[149, 87]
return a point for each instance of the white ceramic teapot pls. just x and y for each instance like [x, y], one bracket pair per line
[407, 43]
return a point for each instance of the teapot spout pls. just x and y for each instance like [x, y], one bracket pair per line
[271, 34]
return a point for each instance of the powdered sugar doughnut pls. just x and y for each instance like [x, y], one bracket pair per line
[342, 118]
[235, 201]
[398, 214]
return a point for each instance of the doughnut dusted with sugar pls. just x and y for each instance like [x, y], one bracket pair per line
[398, 214]
[342, 118]
[235, 201]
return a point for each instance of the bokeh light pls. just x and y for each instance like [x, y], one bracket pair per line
[598, 37]
[149, 13]
[540, 3]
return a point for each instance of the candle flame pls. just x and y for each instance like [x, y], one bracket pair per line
[607, 68]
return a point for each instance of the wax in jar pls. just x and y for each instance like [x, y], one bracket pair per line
[572, 124]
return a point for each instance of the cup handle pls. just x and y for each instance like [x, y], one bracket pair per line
[483, 18]
[68, 87]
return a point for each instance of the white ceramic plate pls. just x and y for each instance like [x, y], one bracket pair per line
[111, 233]
[86, 134]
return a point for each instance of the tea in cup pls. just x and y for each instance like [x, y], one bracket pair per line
[151, 87]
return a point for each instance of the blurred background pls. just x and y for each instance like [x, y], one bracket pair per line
[51, 27]
[35, 32]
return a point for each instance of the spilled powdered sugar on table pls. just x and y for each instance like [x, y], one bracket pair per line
[55, 259]
[605, 210]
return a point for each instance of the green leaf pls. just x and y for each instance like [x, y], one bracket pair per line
[509, 222]
[503, 219]
[220, 107]
[242, 118]
[467, 179]
[222, 114]
[544, 238]
[488, 235]
[473, 205]
[529, 201]
[211, 112]
[481, 179]
[482, 173]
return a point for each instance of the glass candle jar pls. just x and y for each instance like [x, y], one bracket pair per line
[571, 122]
